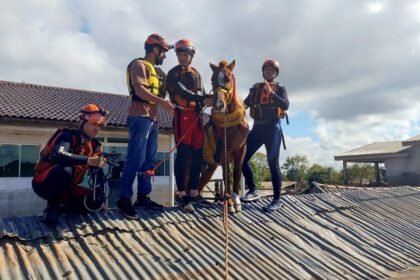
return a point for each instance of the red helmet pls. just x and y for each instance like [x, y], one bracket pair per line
[273, 63]
[156, 39]
[185, 45]
[93, 114]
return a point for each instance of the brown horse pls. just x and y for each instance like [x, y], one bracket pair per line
[227, 115]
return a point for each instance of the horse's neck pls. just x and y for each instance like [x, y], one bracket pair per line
[235, 104]
[232, 107]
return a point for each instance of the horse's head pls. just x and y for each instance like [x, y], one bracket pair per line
[223, 84]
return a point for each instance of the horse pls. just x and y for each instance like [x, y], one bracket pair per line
[228, 111]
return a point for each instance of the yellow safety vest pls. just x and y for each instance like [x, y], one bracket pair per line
[153, 82]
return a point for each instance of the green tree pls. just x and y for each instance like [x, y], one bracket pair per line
[336, 177]
[357, 173]
[260, 160]
[319, 173]
[256, 173]
[295, 167]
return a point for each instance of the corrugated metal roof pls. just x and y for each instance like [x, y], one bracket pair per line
[365, 234]
[375, 149]
[411, 141]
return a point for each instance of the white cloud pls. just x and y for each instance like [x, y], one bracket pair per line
[352, 66]
[375, 7]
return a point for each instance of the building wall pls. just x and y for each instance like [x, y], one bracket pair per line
[16, 195]
[404, 171]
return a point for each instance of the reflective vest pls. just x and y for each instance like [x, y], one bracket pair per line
[262, 106]
[154, 83]
[191, 80]
[78, 146]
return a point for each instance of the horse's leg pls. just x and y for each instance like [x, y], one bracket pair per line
[227, 175]
[237, 171]
[207, 171]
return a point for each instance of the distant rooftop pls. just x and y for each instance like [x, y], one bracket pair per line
[412, 141]
[384, 149]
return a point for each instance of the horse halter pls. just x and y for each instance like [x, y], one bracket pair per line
[221, 85]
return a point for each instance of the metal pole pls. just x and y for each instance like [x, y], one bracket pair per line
[171, 171]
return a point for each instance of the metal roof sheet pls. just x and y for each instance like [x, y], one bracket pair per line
[363, 234]
[411, 141]
[374, 149]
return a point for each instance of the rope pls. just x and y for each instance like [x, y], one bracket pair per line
[152, 171]
[226, 205]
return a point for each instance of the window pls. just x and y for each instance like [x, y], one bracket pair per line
[28, 157]
[163, 169]
[9, 161]
[18, 160]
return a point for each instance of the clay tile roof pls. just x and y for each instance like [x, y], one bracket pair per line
[38, 102]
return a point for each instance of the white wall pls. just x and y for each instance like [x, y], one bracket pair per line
[18, 199]
[402, 171]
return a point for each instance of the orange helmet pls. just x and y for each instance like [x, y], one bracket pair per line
[273, 63]
[185, 45]
[93, 114]
[157, 39]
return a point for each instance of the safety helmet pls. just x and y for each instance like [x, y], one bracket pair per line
[93, 114]
[157, 40]
[273, 63]
[185, 45]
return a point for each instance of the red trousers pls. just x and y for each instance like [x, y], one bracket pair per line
[188, 126]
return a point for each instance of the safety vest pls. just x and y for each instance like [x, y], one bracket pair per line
[78, 146]
[154, 83]
[262, 106]
[191, 80]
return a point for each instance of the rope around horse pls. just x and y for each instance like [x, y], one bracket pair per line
[152, 171]
[226, 204]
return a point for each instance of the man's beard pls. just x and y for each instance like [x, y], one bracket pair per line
[159, 61]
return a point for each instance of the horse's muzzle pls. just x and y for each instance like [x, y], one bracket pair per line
[219, 103]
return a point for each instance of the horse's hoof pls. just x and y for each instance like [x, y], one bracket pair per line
[236, 198]
[232, 210]
[238, 207]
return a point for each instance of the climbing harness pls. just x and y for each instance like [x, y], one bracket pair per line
[98, 183]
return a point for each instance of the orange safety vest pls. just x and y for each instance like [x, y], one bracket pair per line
[79, 146]
[192, 81]
[262, 106]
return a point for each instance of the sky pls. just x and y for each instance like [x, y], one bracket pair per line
[351, 68]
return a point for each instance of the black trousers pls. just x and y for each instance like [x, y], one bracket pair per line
[55, 189]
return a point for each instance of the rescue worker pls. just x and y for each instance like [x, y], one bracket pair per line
[146, 87]
[64, 161]
[185, 87]
[268, 102]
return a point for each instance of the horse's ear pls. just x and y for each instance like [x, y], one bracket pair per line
[231, 65]
[213, 67]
